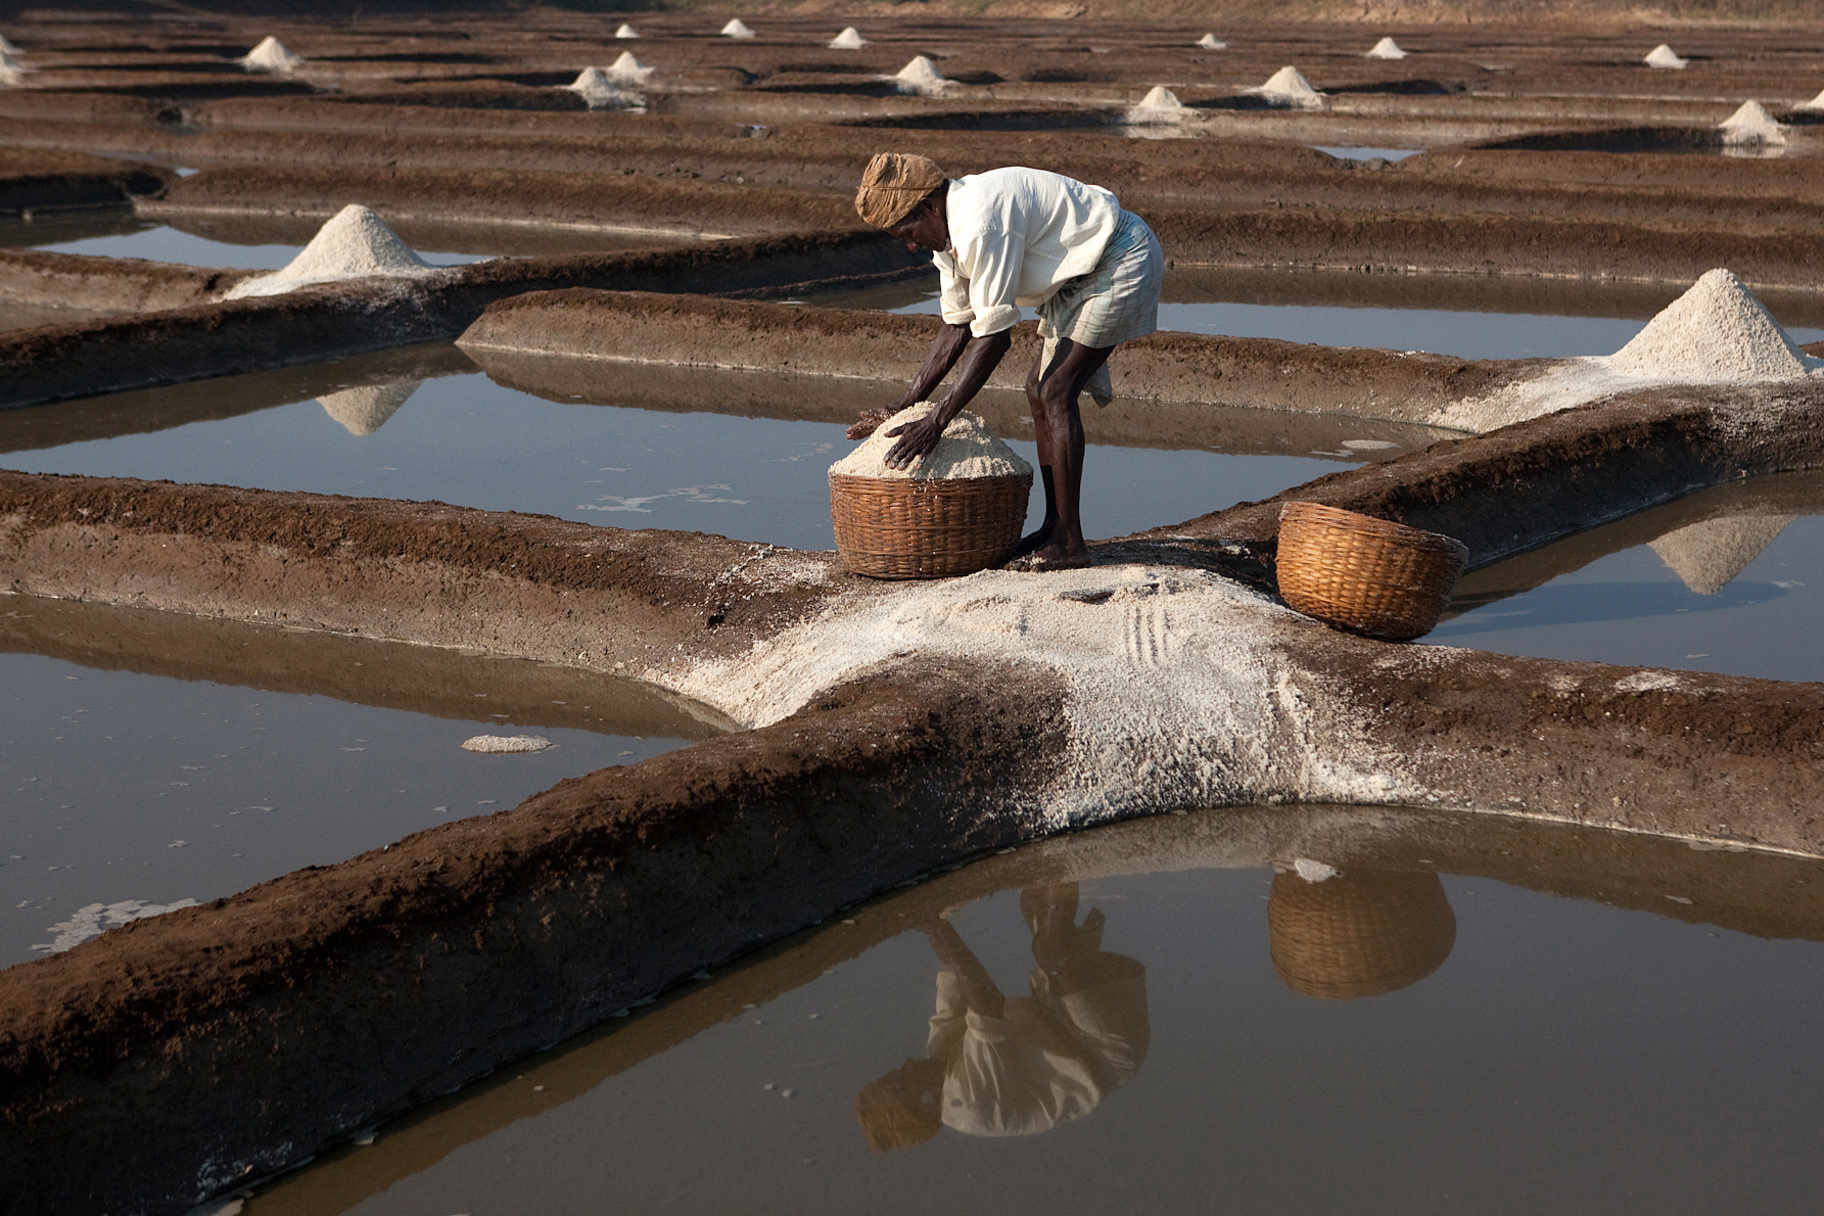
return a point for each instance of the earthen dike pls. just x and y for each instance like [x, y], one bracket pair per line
[181, 1055]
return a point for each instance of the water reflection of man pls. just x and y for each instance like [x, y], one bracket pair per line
[1017, 1066]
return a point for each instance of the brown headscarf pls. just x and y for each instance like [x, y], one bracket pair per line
[893, 184]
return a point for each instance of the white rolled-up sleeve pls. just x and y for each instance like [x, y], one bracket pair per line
[952, 291]
[995, 285]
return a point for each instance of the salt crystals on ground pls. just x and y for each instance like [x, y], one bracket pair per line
[1160, 105]
[270, 55]
[1210, 42]
[968, 449]
[1386, 48]
[921, 76]
[736, 28]
[501, 745]
[599, 91]
[1751, 124]
[354, 244]
[849, 40]
[626, 31]
[1663, 56]
[1288, 87]
[364, 410]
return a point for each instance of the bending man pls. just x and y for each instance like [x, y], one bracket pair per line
[1001, 239]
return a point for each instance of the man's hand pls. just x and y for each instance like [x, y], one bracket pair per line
[868, 422]
[916, 439]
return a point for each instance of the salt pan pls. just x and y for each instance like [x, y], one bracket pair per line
[354, 243]
[506, 744]
[1717, 330]
[626, 31]
[1663, 56]
[270, 55]
[1386, 48]
[921, 76]
[736, 28]
[849, 40]
[968, 449]
[1288, 87]
[1209, 42]
[1751, 124]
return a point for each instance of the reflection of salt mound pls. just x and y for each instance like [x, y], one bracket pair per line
[365, 410]
[736, 28]
[1707, 556]
[270, 55]
[1288, 87]
[1816, 103]
[1663, 56]
[626, 31]
[627, 70]
[1159, 105]
[1209, 42]
[1751, 124]
[968, 449]
[921, 76]
[1717, 330]
[849, 40]
[1386, 48]
[354, 243]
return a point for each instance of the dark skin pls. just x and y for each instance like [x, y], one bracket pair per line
[1051, 395]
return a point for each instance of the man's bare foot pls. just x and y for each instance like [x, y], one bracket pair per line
[1057, 557]
[1032, 541]
[868, 423]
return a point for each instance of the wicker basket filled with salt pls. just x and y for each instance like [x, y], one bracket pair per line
[1369, 575]
[956, 511]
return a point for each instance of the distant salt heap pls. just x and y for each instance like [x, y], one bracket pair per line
[354, 244]
[1717, 330]
[1816, 103]
[11, 70]
[626, 31]
[921, 76]
[1288, 87]
[1386, 48]
[1160, 105]
[1751, 124]
[627, 70]
[736, 28]
[1209, 42]
[1663, 56]
[600, 92]
[270, 55]
[362, 411]
[1707, 556]
[849, 40]
[7, 48]
[968, 449]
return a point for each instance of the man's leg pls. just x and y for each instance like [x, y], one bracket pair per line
[1058, 427]
[1041, 433]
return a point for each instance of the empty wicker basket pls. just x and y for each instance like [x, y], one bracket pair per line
[1362, 933]
[909, 527]
[1369, 575]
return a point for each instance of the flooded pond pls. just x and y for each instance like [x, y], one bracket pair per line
[1471, 1017]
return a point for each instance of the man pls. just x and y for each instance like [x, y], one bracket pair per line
[1000, 239]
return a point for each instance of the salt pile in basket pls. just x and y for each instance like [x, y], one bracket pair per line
[968, 449]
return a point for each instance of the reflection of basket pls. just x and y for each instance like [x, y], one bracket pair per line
[1362, 573]
[910, 527]
[1361, 933]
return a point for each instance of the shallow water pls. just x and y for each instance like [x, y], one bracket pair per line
[1352, 152]
[159, 243]
[1609, 1047]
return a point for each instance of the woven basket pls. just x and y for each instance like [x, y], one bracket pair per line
[1359, 934]
[910, 527]
[1366, 574]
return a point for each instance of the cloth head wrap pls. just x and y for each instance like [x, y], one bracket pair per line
[893, 184]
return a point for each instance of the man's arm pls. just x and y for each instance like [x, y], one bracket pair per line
[980, 356]
[949, 344]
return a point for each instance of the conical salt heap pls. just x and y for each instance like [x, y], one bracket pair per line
[7, 48]
[1159, 105]
[10, 69]
[626, 31]
[599, 90]
[1707, 556]
[736, 28]
[1816, 103]
[1751, 124]
[270, 55]
[365, 410]
[353, 244]
[628, 70]
[920, 76]
[1386, 48]
[849, 40]
[1717, 330]
[1663, 56]
[1288, 87]
[1209, 42]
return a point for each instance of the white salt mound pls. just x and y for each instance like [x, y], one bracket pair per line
[626, 69]
[736, 28]
[11, 71]
[1816, 103]
[1751, 124]
[1386, 48]
[1288, 87]
[968, 449]
[626, 31]
[920, 76]
[1159, 105]
[1209, 42]
[353, 244]
[270, 55]
[1717, 330]
[1314, 871]
[504, 744]
[1663, 56]
[362, 411]
[599, 91]
[1707, 556]
[7, 48]
[849, 40]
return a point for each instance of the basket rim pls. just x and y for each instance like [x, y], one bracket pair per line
[1323, 513]
[836, 477]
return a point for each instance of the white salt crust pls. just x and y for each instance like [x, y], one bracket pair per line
[1386, 48]
[506, 744]
[92, 920]
[849, 40]
[353, 244]
[920, 75]
[736, 28]
[1751, 124]
[270, 55]
[968, 449]
[1663, 56]
[1288, 87]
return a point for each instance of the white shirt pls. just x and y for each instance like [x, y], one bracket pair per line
[1016, 235]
